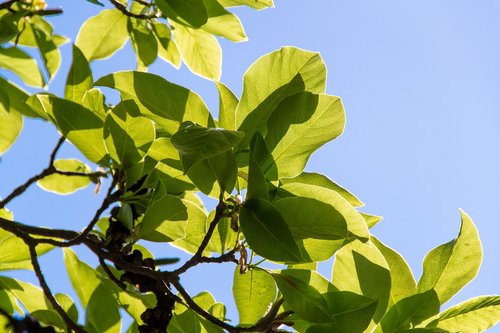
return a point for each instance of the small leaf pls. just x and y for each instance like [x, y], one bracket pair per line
[165, 220]
[144, 43]
[68, 305]
[227, 106]
[64, 185]
[257, 4]
[267, 233]
[13, 99]
[257, 183]
[167, 49]
[253, 293]
[200, 51]
[196, 143]
[102, 35]
[189, 12]
[449, 267]
[474, 315]
[127, 138]
[11, 123]
[223, 23]
[21, 64]
[79, 78]
[44, 40]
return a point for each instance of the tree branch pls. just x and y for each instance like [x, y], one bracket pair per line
[122, 8]
[7, 4]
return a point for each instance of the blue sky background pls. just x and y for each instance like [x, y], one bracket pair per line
[420, 82]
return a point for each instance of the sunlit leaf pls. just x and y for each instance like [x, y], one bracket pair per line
[227, 106]
[102, 35]
[449, 267]
[61, 184]
[144, 43]
[79, 78]
[223, 23]
[167, 49]
[200, 51]
[190, 12]
[21, 64]
[257, 4]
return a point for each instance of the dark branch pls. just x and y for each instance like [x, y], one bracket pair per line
[122, 8]
[45, 287]
[45, 12]
[7, 4]
[110, 274]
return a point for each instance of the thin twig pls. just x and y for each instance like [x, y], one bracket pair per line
[45, 12]
[7, 4]
[45, 287]
[122, 8]
[111, 276]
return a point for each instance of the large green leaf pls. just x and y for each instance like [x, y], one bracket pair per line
[253, 293]
[102, 35]
[31, 297]
[408, 312]
[195, 228]
[167, 104]
[196, 143]
[93, 295]
[312, 178]
[270, 80]
[127, 138]
[165, 219]
[223, 23]
[341, 213]
[46, 44]
[257, 4]
[190, 12]
[449, 267]
[351, 313]
[79, 78]
[362, 269]
[144, 43]
[227, 106]
[21, 64]
[167, 49]
[200, 51]
[474, 315]
[266, 231]
[78, 124]
[13, 99]
[61, 184]
[301, 124]
[402, 280]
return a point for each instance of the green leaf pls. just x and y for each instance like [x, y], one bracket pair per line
[21, 64]
[14, 253]
[127, 138]
[200, 51]
[13, 99]
[165, 220]
[144, 43]
[95, 101]
[270, 80]
[351, 313]
[167, 49]
[257, 4]
[196, 143]
[93, 295]
[449, 267]
[31, 297]
[189, 12]
[371, 220]
[68, 305]
[44, 40]
[474, 315]
[362, 269]
[224, 238]
[342, 213]
[302, 290]
[195, 229]
[267, 233]
[78, 124]
[312, 178]
[61, 184]
[253, 293]
[301, 124]
[49, 317]
[223, 23]
[11, 123]
[79, 78]
[167, 104]
[402, 280]
[102, 35]
[227, 106]
[257, 183]
[408, 312]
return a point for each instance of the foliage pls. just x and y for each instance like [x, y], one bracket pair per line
[162, 149]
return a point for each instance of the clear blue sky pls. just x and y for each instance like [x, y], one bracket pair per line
[420, 82]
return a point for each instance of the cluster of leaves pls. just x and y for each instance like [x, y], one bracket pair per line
[162, 148]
